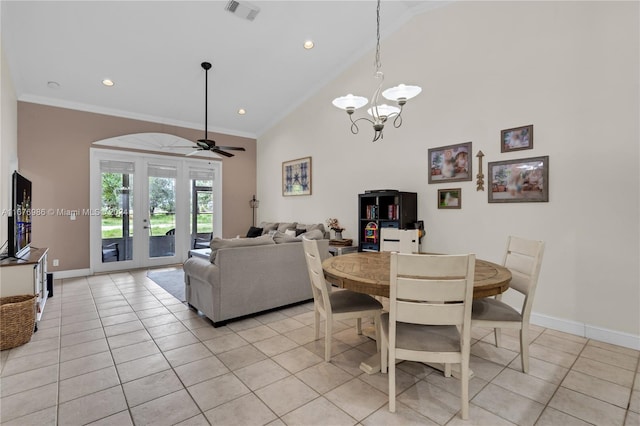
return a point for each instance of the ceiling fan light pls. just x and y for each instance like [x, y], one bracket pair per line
[401, 92]
[350, 101]
[384, 111]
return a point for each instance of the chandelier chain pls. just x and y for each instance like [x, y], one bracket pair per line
[378, 64]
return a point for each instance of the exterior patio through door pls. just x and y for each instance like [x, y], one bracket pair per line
[153, 208]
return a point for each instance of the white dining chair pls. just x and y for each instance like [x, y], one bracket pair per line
[400, 240]
[336, 305]
[429, 317]
[524, 259]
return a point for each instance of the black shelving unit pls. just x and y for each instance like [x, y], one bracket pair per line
[383, 209]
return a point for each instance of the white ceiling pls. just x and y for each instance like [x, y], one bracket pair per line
[153, 50]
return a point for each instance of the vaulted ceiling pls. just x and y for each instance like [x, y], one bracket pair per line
[60, 51]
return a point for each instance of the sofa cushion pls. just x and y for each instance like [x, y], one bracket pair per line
[218, 243]
[314, 234]
[268, 226]
[300, 231]
[281, 237]
[283, 226]
[254, 232]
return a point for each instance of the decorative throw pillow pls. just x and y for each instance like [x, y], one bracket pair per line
[281, 237]
[218, 243]
[300, 231]
[290, 232]
[283, 226]
[268, 226]
[254, 232]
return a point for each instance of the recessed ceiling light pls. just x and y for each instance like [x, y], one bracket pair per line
[53, 85]
[108, 82]
[242, 111]
[308, 44]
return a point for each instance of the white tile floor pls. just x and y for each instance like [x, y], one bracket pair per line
[117, 349]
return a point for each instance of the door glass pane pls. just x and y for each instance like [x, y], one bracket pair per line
[116, 210]
[162, 211]
[201, 207]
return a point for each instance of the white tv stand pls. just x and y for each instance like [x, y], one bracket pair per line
[26, 275]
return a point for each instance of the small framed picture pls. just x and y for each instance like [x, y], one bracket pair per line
[450, 198]
[518, 181]
[296, 177]
[450, 163]
[516, 139]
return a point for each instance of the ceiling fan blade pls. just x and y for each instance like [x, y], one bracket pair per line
[219, 151]
[231, 148]
[193, 153]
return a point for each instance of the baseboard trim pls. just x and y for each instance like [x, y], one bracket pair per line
[614, 337]
[73, 273]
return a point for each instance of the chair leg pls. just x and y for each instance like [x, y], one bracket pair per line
[377, 326]
[392, 381]
[317, 325]
[498, 336]
[524, 348]
[464, 388]
[384, 354]
[359, 325]
[327, 339]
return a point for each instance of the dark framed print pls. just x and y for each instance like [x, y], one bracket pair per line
[450, 198]
[518, 181]
[450, 163]
[516, 139]
[296, 177]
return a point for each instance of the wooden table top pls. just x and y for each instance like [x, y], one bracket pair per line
[368, 272]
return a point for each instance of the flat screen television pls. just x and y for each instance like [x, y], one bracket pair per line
[20, 219]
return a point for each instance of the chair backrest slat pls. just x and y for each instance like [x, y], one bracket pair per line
[438, 289]
[400, 240]
[524, 259]
[319, 285]
[424, 286]
[430, 314]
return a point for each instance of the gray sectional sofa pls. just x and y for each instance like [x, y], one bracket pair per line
[249, 275]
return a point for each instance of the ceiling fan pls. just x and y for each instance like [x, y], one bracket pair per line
[207, 144]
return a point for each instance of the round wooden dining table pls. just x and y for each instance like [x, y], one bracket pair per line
[368, 272]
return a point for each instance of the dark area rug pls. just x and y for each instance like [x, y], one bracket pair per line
[170, 280]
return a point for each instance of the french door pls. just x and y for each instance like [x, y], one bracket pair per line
[153, 209]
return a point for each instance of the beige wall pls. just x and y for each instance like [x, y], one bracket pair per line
[8, 141]
[54, 153]
[570, 69]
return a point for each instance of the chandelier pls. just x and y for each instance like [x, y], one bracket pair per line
[380, 113]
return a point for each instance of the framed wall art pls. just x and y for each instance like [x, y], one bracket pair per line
[296, 177]
[450, 198]
[450, 163]
[517, 181]
[516, 139]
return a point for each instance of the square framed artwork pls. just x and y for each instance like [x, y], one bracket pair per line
[450, 198]
[450, 163]
[516, 139]
[518, 181]
[296, 177]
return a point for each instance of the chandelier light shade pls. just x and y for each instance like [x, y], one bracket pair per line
[380, 113]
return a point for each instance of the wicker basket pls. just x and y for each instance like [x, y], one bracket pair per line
[17, 320]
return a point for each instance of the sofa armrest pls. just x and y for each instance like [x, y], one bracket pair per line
[202, 286]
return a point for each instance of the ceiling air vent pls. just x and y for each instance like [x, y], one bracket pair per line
[243, 9]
